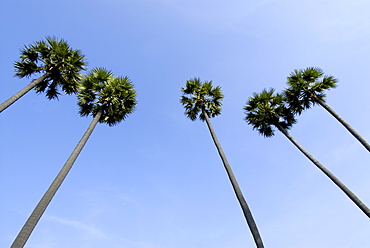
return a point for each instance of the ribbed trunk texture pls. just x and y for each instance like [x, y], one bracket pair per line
[344, 123]
[335, 180]
[243, 204]
[32, 221]
[20, 93]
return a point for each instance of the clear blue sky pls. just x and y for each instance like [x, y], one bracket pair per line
[156, 180]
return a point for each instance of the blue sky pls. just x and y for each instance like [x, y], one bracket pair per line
[156, 180]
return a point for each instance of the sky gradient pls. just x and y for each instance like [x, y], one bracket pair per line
[156, 180]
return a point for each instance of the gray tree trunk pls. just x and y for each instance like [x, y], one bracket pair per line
[246, 211]
[32, 221]
[334, 179]
[344, 123]
[23, 91]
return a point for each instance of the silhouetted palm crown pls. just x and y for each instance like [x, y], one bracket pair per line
[114, 96]
[306, 86]
[267, 109]
[198, 96]
[58, 60]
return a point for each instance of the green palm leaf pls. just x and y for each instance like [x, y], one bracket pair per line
[58, 60]
[100, 89]
[266, 110]
[306, 87]
[58, 64]
[197, 96]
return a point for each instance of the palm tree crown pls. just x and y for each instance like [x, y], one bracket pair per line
[57, 60]
[100, 90]
[267, 109]
[306, 87]
[198, 97]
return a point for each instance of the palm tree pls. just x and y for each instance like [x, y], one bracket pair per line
[57, 61]
[109, 100]
[267, 109]
[306, 88]
[204, 101]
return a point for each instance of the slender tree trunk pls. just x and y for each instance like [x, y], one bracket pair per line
[335, 180]
[344, 123]
[246, 211]
[30, 224]
[23, 91]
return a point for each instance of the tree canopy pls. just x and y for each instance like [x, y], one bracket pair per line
[306, 87]
[57, 60]
[198, 97]
[268, 109]
[100, 90]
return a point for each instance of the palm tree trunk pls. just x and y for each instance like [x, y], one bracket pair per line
[335, 180]
[246, 211]
[31, 222]
[23, 91]
[344, 123]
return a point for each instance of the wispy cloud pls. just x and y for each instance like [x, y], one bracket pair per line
[94, 237]
[88, 229]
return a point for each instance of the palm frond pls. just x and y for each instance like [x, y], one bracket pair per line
[267, 109]
[100, 89]
[197, 96]
[305, 86]
[56, 58]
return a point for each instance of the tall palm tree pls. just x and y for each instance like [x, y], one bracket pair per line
[109, 100]
[58, 63]
[267, 110]
[204, 101]
[306, 88]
